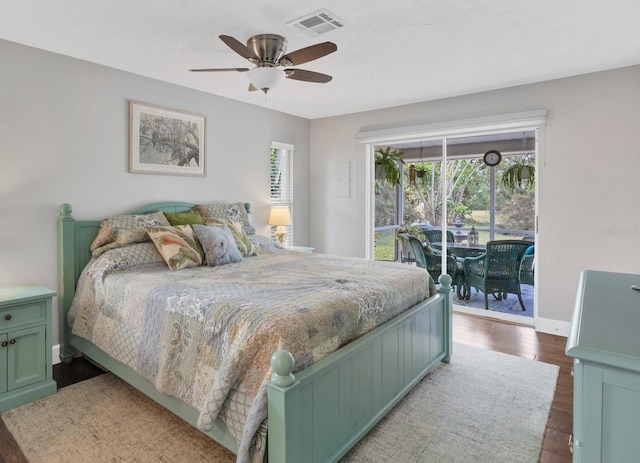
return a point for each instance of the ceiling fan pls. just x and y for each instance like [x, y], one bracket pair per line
[267, 52]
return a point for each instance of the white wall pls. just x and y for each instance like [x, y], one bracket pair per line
[589, 174]
[64, 139]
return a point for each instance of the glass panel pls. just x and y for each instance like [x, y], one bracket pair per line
[388, 169]
[515, 201]
[386, 220]
[281, 186]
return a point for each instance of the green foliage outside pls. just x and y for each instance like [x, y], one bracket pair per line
[467, 195]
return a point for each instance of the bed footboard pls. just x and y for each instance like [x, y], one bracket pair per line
[325, 409]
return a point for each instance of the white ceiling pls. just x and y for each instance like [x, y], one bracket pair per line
[390, 53]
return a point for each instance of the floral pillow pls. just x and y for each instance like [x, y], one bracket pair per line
[218, 244]
[244, 244]
[234, 212]
[122, 230]
[178, 246]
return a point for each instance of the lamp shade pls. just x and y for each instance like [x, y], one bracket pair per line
[265, 77]
[280, 216]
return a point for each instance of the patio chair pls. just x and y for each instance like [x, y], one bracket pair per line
[432, 263]
[435, 236]
[497, 271]
[526, 270]
[526, 266]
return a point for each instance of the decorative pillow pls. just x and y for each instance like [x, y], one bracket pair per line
[185, 218]
[264, 243]
[244, 244]
[428, 249]
[178, 246]
[235, 212]
[121, 230]
[218, 244]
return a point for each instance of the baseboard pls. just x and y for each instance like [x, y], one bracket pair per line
[55, 356]
[550, 326]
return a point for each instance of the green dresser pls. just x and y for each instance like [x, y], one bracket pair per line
[605, 343]
[25, 345]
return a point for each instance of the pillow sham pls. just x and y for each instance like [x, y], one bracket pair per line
[122, 230]
[137, 253]
[126, 256]
[177, 245]
[185, 218]
[218, 244]
[235, 212]
[244, 244]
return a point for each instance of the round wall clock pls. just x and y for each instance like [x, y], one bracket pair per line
[492, 158]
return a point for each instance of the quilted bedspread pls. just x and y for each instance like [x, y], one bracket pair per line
[206, 334]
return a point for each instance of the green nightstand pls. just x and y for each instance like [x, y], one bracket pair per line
[26, 372]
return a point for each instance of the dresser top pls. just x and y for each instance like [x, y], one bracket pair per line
[605, 327]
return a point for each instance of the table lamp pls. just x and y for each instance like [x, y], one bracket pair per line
[280, 217]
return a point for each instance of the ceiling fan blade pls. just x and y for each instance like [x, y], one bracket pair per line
[239, 47]
[307, 76]
[220, 70]
[307, 54]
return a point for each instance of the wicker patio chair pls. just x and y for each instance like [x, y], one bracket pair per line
[432, 263]
[497, 271]
[526, 266]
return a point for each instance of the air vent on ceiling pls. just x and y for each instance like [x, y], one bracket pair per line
[318, 23]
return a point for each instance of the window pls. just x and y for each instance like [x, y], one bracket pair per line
[281, 162]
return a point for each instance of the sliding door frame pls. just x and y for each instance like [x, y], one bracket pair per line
[502, 123]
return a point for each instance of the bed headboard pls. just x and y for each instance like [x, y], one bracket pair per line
[74, 253]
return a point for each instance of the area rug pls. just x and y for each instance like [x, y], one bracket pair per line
[482, 407]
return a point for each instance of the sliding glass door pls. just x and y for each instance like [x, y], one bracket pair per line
[446, 184]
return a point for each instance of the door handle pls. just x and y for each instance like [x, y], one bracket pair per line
[13, 341]
[4, 343]
[7, 317]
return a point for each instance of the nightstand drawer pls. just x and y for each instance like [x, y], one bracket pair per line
[22, 315]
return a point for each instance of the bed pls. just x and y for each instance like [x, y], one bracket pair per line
[317, 409]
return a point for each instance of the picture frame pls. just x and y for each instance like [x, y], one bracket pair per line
[166, 141]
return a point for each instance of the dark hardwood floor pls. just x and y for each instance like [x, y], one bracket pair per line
[509, 338]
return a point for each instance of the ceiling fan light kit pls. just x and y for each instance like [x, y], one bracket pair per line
[267, 52]
[265, 78]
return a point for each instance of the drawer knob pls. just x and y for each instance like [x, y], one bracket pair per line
[7, 317]
[13, 341]
[4, 343]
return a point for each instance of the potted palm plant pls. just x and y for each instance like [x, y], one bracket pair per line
[387, 162]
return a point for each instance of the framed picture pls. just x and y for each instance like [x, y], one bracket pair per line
[165, 140]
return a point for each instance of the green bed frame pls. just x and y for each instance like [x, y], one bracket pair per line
[324, 410]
